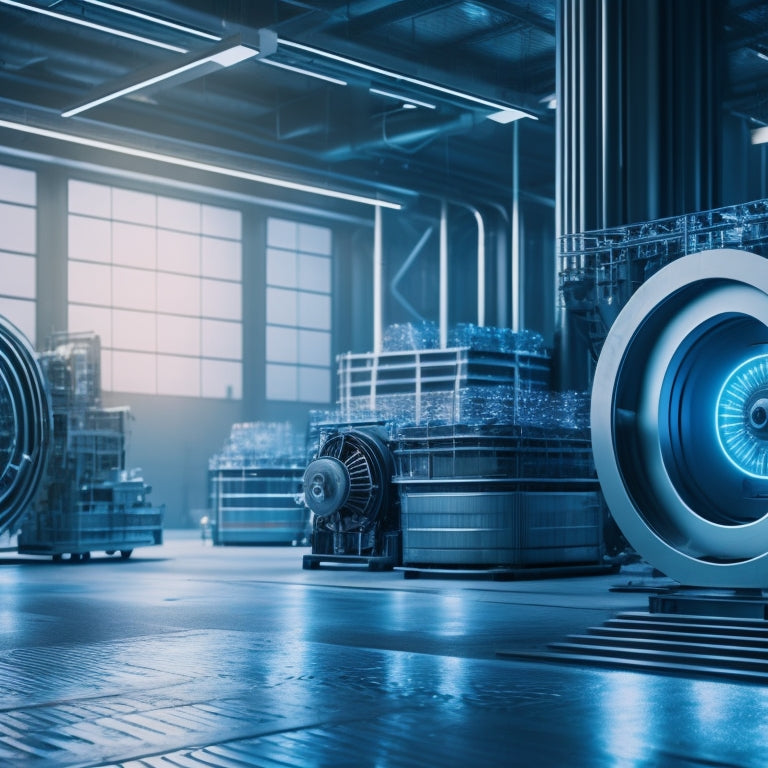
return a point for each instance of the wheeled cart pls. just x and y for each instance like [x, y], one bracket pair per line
[89, 501]
[111, 518]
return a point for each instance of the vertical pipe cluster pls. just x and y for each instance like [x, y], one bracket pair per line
[639, 86]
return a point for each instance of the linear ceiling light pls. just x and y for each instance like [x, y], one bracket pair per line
[301, 71]
[400, 97]
[760, 135]
[153, 19]
[198, 166]
[91, 25]
[501, 113]
[223, 55]
[507, 115]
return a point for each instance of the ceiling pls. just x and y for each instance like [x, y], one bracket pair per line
[375, 97]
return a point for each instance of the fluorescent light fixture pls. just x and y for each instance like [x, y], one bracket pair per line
[153, 19]
[407, 100]
[760, 135]
[301, 71]
[198, 166]
[507, 115]
[223, 55]
[501, 113]
[763, 56]
[91, 25]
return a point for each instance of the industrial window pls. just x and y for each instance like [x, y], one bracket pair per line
[159, 279]
[18, 248]
[298, 312]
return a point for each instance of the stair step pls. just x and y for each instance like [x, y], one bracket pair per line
[676, 647]
[706, 646]
[646, 654]
[679, 636]
[694, 619]
[641, 665]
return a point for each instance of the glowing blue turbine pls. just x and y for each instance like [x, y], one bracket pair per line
[742, 417]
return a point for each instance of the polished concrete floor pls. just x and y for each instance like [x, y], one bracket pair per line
[194, 656]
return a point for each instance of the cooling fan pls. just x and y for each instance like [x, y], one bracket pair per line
[742, 417]
[346, 486]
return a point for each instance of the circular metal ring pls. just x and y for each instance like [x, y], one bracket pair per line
[657, 435]
[25, 425]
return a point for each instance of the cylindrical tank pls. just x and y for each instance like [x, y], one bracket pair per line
[679, 419]
[25, 425]
[497, 495]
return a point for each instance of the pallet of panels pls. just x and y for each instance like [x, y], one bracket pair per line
[430, 381]
[258, 504]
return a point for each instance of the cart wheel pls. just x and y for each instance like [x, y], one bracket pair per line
[57, 558]
[126, 553]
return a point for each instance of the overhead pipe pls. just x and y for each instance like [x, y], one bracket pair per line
[413, 131]
[378, 260]
[480, 268]
[481, 260]
[517, 295]
[443, 277]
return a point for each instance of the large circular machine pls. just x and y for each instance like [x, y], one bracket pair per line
[25, 425]
[679, 419]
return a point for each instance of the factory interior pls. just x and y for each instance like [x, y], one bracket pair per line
[383, 384]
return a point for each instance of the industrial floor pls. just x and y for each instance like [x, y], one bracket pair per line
[194, 656]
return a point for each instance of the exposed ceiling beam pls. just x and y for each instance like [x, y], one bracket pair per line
[381, 13]
[527, 16]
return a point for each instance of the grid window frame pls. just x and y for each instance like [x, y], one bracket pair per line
[148, 294]
[19, 248]
[299, 306]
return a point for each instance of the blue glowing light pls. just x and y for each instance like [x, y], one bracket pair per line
[742, 417]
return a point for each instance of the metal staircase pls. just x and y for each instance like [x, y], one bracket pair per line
[704, 646]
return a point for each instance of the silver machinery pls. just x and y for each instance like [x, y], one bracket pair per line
[456, 459]
[355, 509]
[677, 315]
[680, 419]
